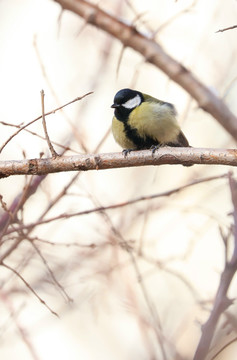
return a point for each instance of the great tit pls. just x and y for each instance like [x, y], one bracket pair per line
[142, 122]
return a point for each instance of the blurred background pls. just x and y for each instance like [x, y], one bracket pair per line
[138, 281]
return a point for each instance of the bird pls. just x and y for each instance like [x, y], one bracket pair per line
[141, 121]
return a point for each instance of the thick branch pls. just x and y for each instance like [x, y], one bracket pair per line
[166, 155]
[153, 53]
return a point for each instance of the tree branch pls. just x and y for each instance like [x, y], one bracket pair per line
[228, 28]
[99, 209]
[154, 53]
[222, 302]
[51, 148]
[23, 127]
[85, 162]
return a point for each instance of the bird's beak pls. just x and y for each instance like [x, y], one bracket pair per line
[114, 106]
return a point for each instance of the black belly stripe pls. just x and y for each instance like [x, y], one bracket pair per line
[139, 142]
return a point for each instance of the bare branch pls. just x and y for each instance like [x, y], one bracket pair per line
[124, 244]
[14, 315]
[85, 162]
[233, 190]
[39, 117]
[51, 148]
[31, 190]
[222, 302]
[154, 53]
[109, 207]
[11, 214]
[51, 273]
[228, 28]
[29, 287]
[65, 148]
[18, 202]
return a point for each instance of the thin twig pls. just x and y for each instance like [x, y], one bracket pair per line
[51, 148]
[14, 314]
[11, 215]
[155, 319]
[152, 310]
[29, 287]
[66, 148]
[58, 285]
[222, 302]
[115, 206]
[63, 244]
[75, 132]
[39, 117]
[174, 273]
[36, 182]
[228, 28]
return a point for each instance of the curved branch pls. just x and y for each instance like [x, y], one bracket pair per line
[154, 53]
[84, 162]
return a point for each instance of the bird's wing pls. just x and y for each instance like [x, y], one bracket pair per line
[151, 99]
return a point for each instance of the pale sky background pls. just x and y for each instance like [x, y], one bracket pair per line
[108, 318]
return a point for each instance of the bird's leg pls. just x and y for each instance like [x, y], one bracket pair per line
[155, 147]
[125, 152]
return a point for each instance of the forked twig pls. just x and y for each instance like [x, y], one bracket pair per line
[222, 301]
[39, 117]
[29, 287]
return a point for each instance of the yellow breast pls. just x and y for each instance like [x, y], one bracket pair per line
[156, 120]
[120, 136]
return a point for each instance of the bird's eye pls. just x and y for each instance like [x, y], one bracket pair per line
[132, 103]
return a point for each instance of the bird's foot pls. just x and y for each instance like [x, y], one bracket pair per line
[125, 152]
[154, 148]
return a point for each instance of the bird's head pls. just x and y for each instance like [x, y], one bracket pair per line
[125, 101]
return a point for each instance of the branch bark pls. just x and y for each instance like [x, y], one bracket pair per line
[154, 53]
[85, 162]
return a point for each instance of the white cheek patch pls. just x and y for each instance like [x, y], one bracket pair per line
[132, 103]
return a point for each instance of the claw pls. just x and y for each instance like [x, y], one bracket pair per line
[125, 152]
[154, 148]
